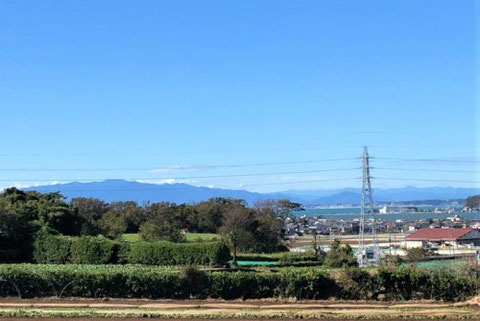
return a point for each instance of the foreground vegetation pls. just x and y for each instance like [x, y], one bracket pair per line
[129, 281]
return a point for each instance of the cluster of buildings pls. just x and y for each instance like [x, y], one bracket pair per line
[435, 233]
[435, 238]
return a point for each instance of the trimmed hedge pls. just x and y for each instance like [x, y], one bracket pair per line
[48, 248]
[409, 282]
[166, 253]
[92, 250]
[58, 249]
[129, 281]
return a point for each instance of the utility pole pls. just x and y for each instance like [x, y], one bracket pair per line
[370, 255]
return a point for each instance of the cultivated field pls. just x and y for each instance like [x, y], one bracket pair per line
[250, 309]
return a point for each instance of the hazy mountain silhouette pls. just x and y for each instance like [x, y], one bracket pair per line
[120, 190]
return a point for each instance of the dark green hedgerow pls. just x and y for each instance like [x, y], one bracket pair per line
[92, 250]
[409, 282]
[58, 249]
[130, 281]
[49, 248]
[167, 253]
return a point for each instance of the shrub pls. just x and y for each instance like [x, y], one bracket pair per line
[195, 280]
[357, 284]
[410, 282]
[391, 261]
[92, 250]
[58, 249]
[418, 254]
[49, 248]
[340, 256]
[121, 252]
[160, 230]
[165, 253]
[306, 283]
[129, 281]
[244, 285]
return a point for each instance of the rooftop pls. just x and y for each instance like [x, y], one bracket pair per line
[438, 234]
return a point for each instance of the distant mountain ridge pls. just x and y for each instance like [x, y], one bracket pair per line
[121, 190]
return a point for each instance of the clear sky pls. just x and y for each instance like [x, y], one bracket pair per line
[125, 87]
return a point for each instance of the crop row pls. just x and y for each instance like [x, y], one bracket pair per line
[131, 281]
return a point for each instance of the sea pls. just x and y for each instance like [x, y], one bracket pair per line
[350, 213]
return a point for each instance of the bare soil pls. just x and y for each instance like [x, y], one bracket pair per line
[132, 309]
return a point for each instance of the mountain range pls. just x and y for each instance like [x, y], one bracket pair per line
[121, 190]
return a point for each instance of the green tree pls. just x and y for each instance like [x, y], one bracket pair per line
[90, 212]
[236, 228]
[210, 213]
[163, 223]
[284, 208]
[47, 209]
[15, 234]
[113, 224]
[132, 214]
[340, 256]
[160, 230]
[268, 229]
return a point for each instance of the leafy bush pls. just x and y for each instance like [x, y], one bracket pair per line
[340, 256]
[418, 254]
[357, 284]
[129, 281]
[49, 248]
[195, 280]
[121, 252]
[92, 250]
[306, 283]
[161, 230]
[165, 253]
[58, 249]
[244, 285]
[410, 282]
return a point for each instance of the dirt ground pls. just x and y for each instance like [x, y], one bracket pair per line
[134, 309]
[143, 319]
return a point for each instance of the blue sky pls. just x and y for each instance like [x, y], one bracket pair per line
[182, 86]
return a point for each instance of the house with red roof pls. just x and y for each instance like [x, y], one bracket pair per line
[443, 237]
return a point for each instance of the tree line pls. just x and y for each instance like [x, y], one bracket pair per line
[252, 229]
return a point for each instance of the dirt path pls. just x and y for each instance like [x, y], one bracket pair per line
[143, 319]
[55, 309]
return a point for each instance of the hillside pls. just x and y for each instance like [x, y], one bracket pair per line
[473, 202]
[120, 190]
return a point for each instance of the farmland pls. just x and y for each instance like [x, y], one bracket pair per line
[250, 309]
[133, 262]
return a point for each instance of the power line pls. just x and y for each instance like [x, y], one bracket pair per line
[188, 167]
[426, 180]
[306, 181]
[185, 177]
[431, 160]
[426, 170]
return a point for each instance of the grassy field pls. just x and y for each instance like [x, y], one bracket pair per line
[190, 237]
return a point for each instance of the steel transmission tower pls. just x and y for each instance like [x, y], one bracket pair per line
[367, 255]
